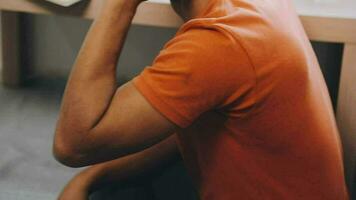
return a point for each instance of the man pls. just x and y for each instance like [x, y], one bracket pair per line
[238, 89]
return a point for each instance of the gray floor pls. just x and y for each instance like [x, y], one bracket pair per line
[27, 119]
[27, 168]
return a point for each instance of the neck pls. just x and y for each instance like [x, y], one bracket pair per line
[197, 7]
[189, 9]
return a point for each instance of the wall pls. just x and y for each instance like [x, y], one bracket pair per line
[55, 41]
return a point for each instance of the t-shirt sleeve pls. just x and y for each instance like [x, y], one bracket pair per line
[197, 71]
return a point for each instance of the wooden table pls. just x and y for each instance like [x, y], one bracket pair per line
[320, 26]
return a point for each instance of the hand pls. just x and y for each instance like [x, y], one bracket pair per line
[76, 189]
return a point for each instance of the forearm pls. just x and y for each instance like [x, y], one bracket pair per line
[132, 168]
[92, 82]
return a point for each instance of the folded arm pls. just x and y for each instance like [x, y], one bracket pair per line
[97, 121]
[136, 168]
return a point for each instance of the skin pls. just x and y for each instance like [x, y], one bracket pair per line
[113, 130]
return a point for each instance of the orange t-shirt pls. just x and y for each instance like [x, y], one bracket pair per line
[243, 83]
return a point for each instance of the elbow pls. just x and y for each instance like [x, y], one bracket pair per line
[68, 155]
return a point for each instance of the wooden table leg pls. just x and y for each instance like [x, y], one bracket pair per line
[12, 69]
[346, 111]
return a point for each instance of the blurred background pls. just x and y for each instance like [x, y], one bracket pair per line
[28, 114]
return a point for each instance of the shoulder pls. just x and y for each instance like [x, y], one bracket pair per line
[203, 35]
[204, 44]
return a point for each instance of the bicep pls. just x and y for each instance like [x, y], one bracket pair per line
[129, 125]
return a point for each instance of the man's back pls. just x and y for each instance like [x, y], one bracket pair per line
[244, 83]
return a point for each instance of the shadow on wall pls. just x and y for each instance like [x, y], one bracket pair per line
[53, 43]
[330, 56]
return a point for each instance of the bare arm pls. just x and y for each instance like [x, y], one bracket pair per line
[132, 168]
[99, 122]
[135, 166]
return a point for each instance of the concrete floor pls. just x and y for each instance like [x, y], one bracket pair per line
[27, 167]
[27, 120]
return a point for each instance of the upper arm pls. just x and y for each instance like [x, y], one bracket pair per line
[130, 124]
